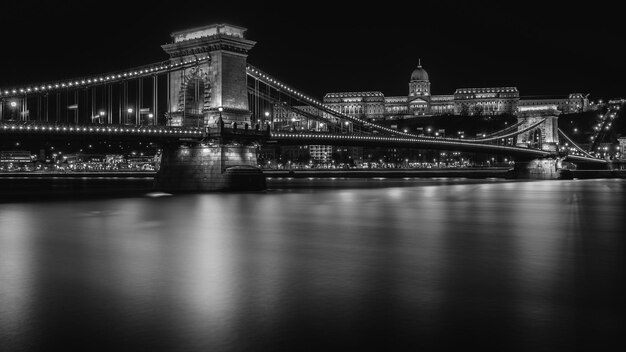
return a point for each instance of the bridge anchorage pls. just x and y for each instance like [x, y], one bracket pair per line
[212, 95]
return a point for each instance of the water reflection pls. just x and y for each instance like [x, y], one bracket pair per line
[413, 264]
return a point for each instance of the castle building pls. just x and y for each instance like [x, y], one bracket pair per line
[374, 105]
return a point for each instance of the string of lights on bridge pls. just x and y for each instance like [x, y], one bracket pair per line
[604, 124]
[103, 78]
[309, 136]
[162, 67]
[575, 147]
[258, 74]
[192, 132]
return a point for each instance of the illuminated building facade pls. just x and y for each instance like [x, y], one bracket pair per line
[575, 102]
[465, 101]
[358, 104]
[14, 159]
[485, 101]
[321, 154]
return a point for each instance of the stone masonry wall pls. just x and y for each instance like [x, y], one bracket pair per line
[202, 168]
[538, 169]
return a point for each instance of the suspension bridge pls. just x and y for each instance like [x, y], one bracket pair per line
[209, 110]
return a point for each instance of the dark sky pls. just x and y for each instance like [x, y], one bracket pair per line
[321, 47]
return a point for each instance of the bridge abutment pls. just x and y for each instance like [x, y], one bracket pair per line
[209, 168]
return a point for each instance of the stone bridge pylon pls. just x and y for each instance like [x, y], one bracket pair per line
[216, 87]
[212, 94]
[546, 135]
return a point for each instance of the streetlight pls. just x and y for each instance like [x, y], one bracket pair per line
[130, 111]
[13, 105]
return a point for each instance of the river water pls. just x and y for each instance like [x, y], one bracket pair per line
[317, 265]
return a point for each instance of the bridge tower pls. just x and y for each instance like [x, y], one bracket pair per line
[216, 87]
[213, 94]
[543, 137]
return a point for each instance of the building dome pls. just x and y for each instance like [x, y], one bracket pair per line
[419, 74]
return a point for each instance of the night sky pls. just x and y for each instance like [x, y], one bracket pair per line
[321, 47]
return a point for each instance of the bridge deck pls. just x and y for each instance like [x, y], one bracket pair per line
[35, 128]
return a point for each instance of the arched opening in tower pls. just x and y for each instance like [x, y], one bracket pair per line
[193, 100]
[535, 139]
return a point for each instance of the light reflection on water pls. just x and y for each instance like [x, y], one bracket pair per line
[319, 264]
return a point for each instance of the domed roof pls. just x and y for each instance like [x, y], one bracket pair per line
[419, 74]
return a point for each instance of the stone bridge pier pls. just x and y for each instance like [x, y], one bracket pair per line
[212, 94]
[543, 137]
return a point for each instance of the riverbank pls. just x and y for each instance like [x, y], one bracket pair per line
[495, 172]
[589, 174]
[472, 173]
[90, 174]
[299, 173]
